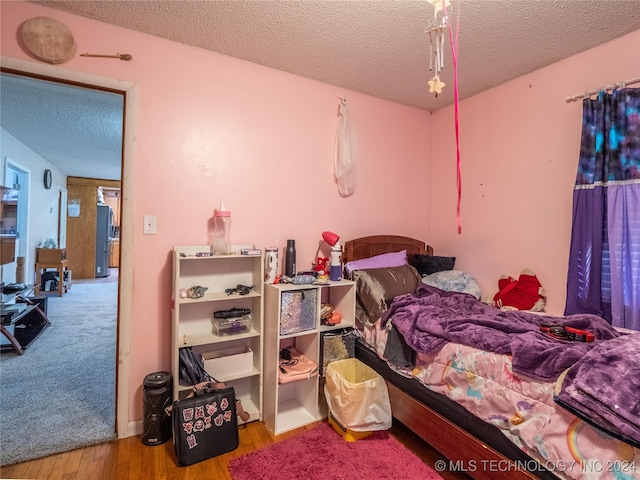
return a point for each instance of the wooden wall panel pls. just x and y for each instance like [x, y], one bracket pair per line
[81, 230]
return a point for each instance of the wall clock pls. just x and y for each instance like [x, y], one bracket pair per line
[48, 40]
[47, 179]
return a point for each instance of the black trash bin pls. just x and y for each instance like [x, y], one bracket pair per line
[157, 395]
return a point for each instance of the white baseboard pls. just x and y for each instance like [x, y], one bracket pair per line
[133, 429]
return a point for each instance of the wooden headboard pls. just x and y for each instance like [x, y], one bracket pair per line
[366, 247]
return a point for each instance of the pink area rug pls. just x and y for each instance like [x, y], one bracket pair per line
[321, 454]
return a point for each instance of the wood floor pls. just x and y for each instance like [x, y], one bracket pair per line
[129, 458]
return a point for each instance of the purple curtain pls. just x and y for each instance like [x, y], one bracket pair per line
[604, 258]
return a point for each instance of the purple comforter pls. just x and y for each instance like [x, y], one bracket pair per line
[430, 318]
[603, 387]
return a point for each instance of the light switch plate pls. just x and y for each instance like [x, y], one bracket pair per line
[150, 225]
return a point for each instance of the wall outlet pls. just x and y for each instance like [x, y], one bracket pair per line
[150, 225]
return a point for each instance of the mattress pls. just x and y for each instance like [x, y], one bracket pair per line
[455, 413]
[479, 392]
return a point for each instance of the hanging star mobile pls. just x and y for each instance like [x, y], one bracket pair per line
[436, 85]
[435, 34]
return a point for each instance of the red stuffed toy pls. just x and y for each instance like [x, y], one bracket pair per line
[322, 265]
[525, 293]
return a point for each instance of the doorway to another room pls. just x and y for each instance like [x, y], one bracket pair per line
[82, 361]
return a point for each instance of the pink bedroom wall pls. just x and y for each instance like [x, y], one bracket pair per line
[519, 147]
[209, 128]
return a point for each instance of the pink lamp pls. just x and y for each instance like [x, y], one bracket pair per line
[327, 237]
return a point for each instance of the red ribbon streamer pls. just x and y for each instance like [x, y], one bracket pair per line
[454, 55]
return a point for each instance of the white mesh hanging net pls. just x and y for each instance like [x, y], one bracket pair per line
[346, 153]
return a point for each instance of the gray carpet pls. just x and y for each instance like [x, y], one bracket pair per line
[60, 395]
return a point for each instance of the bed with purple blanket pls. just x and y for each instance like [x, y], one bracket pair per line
[486, 386]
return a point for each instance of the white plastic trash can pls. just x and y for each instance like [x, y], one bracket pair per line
[357, 396]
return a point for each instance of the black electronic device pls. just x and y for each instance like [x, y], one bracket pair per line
[157, 390]
[7, 317]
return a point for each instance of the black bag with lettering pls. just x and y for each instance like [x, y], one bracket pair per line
[205, 425]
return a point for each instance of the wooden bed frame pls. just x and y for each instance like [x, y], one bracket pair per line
[378, 244]
[460, 447]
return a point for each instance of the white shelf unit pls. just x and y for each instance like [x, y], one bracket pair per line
[288, 406]
[193, 322]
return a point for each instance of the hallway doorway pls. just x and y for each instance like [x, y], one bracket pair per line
[84, 91]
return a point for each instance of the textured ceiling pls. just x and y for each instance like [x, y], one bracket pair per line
[377, 47]
[76, 129]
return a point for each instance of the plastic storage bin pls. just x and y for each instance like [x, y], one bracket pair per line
[232, 326]
[357, 397]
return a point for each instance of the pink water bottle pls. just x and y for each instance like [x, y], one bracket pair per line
[222, 231]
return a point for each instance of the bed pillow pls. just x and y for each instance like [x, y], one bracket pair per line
[393, 259]
[428, 264]
[377, 287]
[454, 281]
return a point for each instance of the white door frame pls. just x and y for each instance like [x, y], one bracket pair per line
[124, 425]
[62, 216]
[18, 177]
